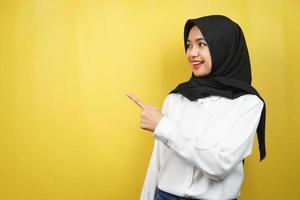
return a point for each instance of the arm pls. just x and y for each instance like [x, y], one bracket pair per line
[151, 179]
[150, 183]
[216, 161]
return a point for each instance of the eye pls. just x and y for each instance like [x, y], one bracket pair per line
[202, 44]
[188, 45]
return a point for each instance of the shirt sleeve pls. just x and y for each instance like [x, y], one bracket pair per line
[151, 179]
[216, 161]
[150, 183]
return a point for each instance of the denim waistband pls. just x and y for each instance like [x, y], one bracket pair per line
[167, 196]
[162, 195]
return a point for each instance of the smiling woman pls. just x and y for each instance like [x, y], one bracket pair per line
[207, 125]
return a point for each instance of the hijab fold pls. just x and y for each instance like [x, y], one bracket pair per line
[231, 70]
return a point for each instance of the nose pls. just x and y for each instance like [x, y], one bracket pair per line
[194, 52]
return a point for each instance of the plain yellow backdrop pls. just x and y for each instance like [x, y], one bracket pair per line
[67, 131]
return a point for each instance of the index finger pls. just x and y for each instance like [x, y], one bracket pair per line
[136, 100]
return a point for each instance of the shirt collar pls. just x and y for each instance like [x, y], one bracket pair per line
[208, 99]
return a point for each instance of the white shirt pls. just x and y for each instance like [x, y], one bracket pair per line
[199, 146]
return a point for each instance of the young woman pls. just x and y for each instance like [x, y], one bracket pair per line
[207, 125]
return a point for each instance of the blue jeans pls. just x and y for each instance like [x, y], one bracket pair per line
[162, 195]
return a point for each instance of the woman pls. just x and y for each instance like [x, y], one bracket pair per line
[207, 125]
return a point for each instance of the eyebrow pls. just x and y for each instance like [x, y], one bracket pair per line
[197, 40]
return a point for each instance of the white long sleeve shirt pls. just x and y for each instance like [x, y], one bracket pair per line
[199, 146]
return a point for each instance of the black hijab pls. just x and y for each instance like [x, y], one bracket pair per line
[231, 71]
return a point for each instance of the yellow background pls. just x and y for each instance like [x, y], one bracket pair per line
[67, 131]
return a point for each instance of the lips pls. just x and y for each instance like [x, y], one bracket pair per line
[196, 64]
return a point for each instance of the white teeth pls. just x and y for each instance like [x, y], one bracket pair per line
[196, 63]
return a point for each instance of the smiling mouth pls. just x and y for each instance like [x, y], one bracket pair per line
[197, 64]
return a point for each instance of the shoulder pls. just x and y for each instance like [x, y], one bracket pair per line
[174, 98]
[247, 102]
[250, 99]
[244, 102]
[171, 101]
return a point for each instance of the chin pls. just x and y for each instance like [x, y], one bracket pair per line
[199, 74]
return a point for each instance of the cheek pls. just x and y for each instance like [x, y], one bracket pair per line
[207, 53]
[208, 57]
[188, 55]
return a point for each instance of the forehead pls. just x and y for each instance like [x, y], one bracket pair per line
[195, 33]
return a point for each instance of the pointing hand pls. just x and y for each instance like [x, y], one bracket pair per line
[150, 115]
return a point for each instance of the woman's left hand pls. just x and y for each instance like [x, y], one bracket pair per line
[150, 115]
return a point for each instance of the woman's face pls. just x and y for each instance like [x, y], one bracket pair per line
[198, 53]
